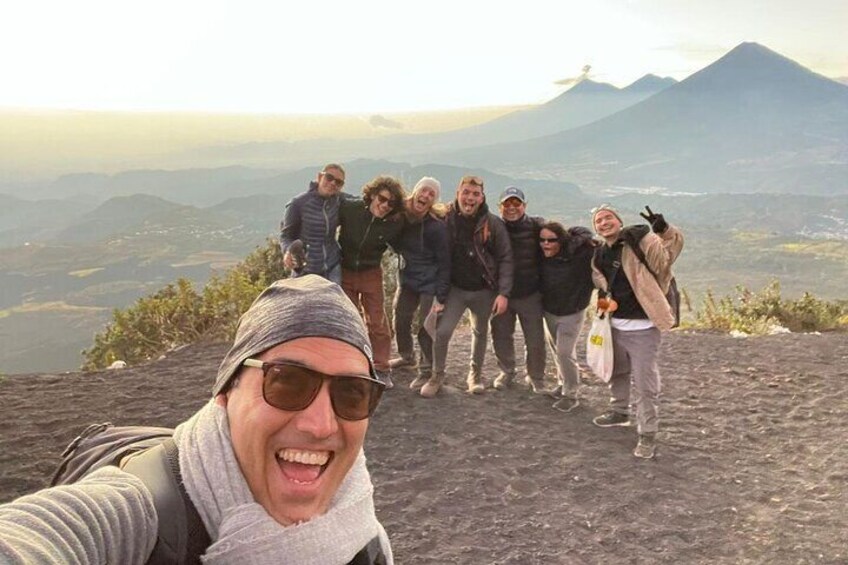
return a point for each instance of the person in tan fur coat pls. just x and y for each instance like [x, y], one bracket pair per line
[635, 299]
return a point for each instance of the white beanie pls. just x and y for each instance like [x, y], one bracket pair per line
[605, 208]
[428, 182]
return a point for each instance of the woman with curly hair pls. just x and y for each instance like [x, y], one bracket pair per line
[368, 226]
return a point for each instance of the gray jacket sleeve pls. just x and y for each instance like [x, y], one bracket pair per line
[502, 250]
[443, 262]
[108, 517]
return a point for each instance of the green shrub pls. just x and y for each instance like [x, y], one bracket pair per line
[178, 315]
[153, 325]
[757, 313]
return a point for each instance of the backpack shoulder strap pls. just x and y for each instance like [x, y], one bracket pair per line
[632, 236]
[182, 538]
[487, 231]
[371, 554]
[598, 253]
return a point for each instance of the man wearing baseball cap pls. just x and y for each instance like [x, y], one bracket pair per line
[525, 301]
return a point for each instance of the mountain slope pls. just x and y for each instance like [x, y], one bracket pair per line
[116, 215]
[24, 220]
[752, 121]
[586, 102]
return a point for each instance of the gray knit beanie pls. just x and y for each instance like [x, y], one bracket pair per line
[307, 306]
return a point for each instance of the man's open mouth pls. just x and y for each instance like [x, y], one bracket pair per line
[303, 466]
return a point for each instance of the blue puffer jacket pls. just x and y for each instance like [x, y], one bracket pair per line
[426, 256]
[314, 220]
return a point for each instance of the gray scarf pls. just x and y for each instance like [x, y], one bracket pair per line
[242, 531]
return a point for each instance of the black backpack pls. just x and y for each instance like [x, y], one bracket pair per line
[150, 454]
[632, 236]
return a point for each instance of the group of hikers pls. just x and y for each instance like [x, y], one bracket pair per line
[271, 469]
[500, 268]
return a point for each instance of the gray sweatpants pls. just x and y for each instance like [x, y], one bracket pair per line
[407, 303]
[561, 333]
[479, 303]
[635, 376]
[528, 310]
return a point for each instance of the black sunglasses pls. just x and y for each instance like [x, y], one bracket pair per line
[333, 178]
[548, 239]
[290, 386]
[383, 200]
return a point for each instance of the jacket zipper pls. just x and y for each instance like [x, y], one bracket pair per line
[326, 235]
[362, 242]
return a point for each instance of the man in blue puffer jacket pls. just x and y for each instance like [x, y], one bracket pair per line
[313, 218]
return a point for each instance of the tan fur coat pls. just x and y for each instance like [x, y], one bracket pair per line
[660, 252]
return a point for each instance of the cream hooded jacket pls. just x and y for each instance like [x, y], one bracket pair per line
[661, 250]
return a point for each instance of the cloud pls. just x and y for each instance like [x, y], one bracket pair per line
[378, 121]
[574, 80]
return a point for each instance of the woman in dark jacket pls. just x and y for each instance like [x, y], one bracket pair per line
[425, 276]
[567, 286]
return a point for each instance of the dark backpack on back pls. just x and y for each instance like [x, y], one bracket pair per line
[632, 236]
[150, 454]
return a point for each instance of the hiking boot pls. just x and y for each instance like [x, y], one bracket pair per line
[475, 383]
[503, 380]
[399, 362]
[419, 381]
[566, 404]
[611, 418]
[385, 377]
[535, 385]
[647, 446]
[432, 386]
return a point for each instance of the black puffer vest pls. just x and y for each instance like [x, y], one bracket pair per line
[526, 253]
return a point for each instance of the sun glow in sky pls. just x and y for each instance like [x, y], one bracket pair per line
[378, 55]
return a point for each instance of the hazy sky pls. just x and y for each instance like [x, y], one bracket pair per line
[329, 56]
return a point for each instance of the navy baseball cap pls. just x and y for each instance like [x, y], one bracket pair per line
[512, 192]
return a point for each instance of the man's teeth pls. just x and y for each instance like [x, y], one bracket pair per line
[304, 457]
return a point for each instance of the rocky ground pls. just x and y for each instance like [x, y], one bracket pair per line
[752, 465]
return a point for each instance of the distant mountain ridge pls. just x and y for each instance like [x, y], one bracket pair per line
[137, 199]
[116, 215]
[651, 83]
[584, 103]
[753, 121]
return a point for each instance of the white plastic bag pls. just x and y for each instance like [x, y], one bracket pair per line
[430, 323]
[599, 354]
